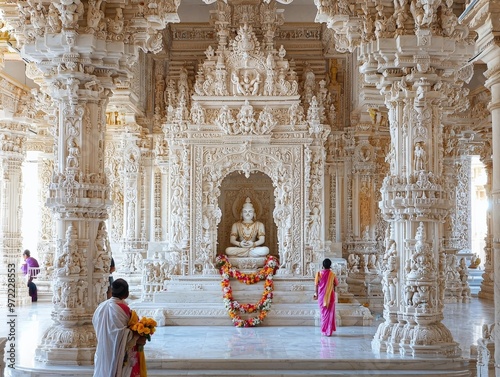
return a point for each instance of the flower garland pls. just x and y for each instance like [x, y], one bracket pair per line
[233, 307]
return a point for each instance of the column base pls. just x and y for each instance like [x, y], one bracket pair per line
[432, 340]
[66, 356]
[382, 340]
[435, 350]
[67, 345]
[382, 336]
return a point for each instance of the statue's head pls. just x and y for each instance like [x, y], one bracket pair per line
[248, 211]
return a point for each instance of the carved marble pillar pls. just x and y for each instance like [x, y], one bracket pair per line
[401, 50]
[493, 83]
[45, 246]
[160, 198]
[415, 200]
[79, 197]
[484, 18]
[362, 251]
[12, 155]
[134, 245]
[81, 62]
[487, 285]
[114, 167]
[456, 237]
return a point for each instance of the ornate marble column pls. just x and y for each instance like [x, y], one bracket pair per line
[493, 83]
[44, 144]
[134, 241]
[413, 53]
[362, 249]
[46, 234]
[484, 18]
[456, 237]
[16, 112]
[12, 156]
[82, 61]
[487, 285]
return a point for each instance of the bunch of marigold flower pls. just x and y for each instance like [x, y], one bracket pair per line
[145, 327]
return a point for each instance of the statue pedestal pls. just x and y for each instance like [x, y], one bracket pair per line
[247, 263]
[197, 301]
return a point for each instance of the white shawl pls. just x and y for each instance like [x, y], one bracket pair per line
[110, 324]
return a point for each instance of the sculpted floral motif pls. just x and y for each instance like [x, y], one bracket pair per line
[245, 70]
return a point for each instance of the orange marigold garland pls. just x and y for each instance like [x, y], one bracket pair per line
[233, 307]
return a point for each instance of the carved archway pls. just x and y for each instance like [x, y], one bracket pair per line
[281, 164]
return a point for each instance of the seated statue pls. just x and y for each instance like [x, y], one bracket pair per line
[247, 235]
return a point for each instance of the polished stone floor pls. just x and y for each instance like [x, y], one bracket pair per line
[193, 348]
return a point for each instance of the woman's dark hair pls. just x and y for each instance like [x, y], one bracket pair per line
[119, 288]
[27, 253]
[327, 263]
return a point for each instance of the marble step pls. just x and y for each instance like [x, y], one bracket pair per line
[213, 283]
[198, 300]
[276, 367]
[304, 367]
[215, 314]
[246, 296]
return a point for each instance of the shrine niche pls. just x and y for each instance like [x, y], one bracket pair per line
[235, 188]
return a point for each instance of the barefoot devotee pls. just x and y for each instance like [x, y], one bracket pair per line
[116, 354]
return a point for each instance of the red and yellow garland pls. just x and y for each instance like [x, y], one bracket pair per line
[233, 307]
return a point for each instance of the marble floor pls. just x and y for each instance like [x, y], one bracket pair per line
[194, 350]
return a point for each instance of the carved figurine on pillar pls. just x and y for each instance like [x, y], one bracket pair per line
[420, 157]
[102, 261]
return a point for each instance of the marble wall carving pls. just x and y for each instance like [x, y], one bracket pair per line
[225, 104]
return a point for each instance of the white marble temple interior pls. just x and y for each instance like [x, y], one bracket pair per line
[356, 129]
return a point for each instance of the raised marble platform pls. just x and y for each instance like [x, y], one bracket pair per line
[246, 263]
[195, 301]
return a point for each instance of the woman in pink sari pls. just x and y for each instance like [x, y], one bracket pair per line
[325, 283]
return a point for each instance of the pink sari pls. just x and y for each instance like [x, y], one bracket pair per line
[326, 282]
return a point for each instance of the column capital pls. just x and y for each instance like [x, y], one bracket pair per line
[492, 74]
[483, 17]
[88, 27]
